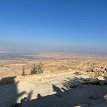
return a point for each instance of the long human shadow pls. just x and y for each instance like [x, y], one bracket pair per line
[77, 91]
[8, 92]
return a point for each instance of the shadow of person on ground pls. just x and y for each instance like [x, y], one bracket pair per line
[8, 92]
[77, 91]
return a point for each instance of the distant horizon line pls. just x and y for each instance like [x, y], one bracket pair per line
[94, 52]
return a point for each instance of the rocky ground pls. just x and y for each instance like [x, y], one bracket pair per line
[66, 82]
[53, 90]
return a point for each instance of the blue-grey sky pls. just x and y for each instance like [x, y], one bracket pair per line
[54, 25]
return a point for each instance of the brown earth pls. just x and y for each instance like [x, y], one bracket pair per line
[50, 89]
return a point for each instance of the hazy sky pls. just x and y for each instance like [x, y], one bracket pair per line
[53, 25]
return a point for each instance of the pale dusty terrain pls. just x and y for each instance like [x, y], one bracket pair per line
[45, 90]
[61, 84]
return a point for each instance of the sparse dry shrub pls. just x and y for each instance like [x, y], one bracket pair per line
[23, 72]
[37, 69]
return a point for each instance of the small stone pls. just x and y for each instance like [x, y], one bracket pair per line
[105, 97]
